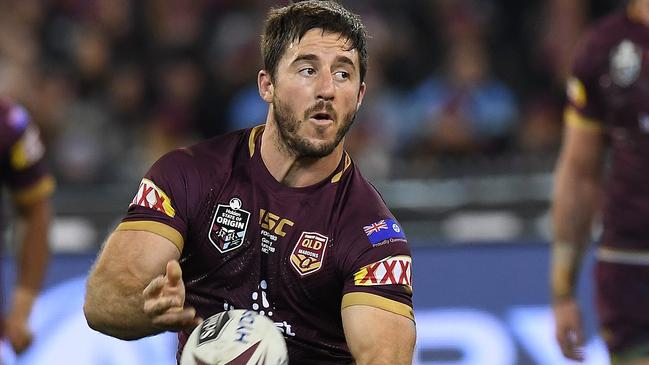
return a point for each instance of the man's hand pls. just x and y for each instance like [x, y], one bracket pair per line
[164, 300]
[16, 324]
[17, 332]
[569, 333]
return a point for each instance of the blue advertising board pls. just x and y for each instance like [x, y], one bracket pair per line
[474, 305]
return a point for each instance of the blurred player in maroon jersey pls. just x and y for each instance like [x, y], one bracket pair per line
[23, 170]
[608, 110]
[276, 218]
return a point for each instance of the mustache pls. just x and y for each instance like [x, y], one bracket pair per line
[320, 107]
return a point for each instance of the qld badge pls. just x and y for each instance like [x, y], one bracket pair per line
[625, 63]
[308, 253]
[229, 226]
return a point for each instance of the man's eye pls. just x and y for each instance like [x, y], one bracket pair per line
[342, 75]
[309, 71]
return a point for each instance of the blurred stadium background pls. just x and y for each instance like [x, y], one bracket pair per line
[460, 130]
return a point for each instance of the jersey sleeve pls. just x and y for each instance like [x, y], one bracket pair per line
[28, 175]
[377, 270]
[164, 197]
[584, 100]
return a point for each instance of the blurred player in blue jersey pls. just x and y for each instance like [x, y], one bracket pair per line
[608, 110]
[23, 171]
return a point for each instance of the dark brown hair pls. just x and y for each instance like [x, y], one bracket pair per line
[287, 24]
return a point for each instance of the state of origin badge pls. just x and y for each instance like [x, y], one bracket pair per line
[229, 226]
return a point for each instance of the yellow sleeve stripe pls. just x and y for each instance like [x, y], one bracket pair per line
[158, 228]
[574, 119]
[576, 92]
[35, 192]
[19, 159]
[373, 300]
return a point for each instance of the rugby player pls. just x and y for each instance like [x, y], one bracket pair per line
[608, 110]
[24, 171]
[276, 218]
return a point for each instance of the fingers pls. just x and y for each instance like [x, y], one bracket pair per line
[173, 273]
[176, 320]
[578, 336]
[172, 279]
[197, 321]
[571, 341]
[569, 332]
[167, 313]
[20, 342]
[155, 287]
[157, 306]
[18, 335]
[164, 298]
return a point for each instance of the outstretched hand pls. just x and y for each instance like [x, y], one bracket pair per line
[569, 331]
[164, 300]
[18, 333]
[16, 324]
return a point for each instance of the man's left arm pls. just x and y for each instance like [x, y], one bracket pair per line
[376, 336]
[31, 185]
[31, 259]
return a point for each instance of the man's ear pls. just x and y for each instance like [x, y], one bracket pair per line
[265, 85]
[361, 94]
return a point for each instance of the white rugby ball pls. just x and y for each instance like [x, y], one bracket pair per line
[235, 337]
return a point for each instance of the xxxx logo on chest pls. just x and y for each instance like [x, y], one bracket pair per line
[309, 252]
[229, 226]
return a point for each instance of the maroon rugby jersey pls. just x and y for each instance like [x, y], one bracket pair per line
[610, 90]
[22, 167]
[295, 254]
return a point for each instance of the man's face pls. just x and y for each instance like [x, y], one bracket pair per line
[317, 91]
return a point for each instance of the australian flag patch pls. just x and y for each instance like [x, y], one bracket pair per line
[384, 231]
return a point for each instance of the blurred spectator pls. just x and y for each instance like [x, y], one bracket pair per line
[374, 137]
[172, 123]
[92, 58]
[175, 24]
[540, 129]
[123, 80]
[464, 110]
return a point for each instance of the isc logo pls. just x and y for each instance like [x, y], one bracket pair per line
[273, 223]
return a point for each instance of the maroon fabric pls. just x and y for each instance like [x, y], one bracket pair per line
[624, 111]
[622, 301]
[202, 180]
[245, 356]
[14, 123]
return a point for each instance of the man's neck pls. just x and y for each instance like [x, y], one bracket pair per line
[291, 170]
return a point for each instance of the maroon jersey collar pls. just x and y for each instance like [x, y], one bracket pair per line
[259, 168]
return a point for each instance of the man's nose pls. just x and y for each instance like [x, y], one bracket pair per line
[326, 87]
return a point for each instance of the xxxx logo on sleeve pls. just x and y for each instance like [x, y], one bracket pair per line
[309, 252]
[152, 197]
[394, 270]
[229, 226]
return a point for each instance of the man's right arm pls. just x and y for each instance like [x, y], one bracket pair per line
[577, 191]
[135, 288]
[576, 198]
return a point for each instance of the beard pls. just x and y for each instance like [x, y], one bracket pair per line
[289, 126]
